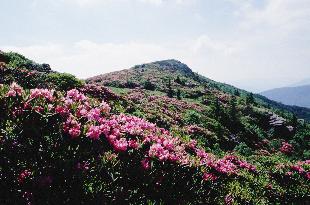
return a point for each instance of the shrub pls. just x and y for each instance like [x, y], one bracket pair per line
[67, 148]
[63, 81]
[148, 85]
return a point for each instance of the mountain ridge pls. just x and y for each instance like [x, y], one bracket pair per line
[181, 78]
[298, 95]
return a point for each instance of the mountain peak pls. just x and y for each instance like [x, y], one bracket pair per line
[169, 64]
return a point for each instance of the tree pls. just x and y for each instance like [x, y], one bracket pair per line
[179, 81]
[250, 99]
[148, 85]
[233, 109]
[179, 94]
[63, 81]
[170, 91]
[236, 93]
[216, 109]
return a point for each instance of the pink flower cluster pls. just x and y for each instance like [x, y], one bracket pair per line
[83, 116]
[42, 93]
[15, 90]
[73, 127]
[75, 95]
[23, 176]
[297, 169]
[83, 166]
[209, 177]
[93, 132]
[229, 200]
[286, 148]
[146, 163]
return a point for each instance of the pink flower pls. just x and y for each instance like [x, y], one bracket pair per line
[120, 145]
[105, 107]
[38, 109]
[84, 166]
[11, 93]
[192, 144]
[225, 166]
[82, 111]
[297, 168]
[94, 114]
[75, 95]
[289, 173]
[209, 177]
[74, 132]
[133, 144]
[269, 186]
[61, 110]
[146, 163]
[286, 148]
[23, 175]
[72, 127]
[15, 89]
[247, 166]
[94, 132]
[229, 199]
[307, 175]
[42, 93]
[157, 150]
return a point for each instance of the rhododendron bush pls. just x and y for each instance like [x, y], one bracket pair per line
[68, 148]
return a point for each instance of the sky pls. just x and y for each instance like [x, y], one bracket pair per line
[252, 44]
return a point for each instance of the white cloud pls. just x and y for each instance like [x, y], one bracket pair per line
[241, 62]
[84, 3]
[279, 14]
[262, 41]
[157, 2]
[106, 57]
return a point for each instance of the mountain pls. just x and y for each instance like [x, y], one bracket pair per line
[301, 83]
[299, 96]
[171, 95]
[157, 133]
[161, 75]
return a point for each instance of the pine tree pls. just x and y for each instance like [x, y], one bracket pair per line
[250, 99]
[170, 92]
[179, 94]
[233, 109]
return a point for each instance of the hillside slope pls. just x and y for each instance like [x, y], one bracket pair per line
[299, 96]
[173, 137]
[162, 75]
[171, 95]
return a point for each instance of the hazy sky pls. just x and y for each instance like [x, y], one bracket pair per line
[253, 44]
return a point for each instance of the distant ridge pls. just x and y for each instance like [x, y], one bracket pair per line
[299, 96]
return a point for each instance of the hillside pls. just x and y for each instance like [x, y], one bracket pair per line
[157, 133]
[171, 95]
[162, 75]
[299, 96]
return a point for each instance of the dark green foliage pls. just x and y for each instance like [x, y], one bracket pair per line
[15, 60]
[250, 99]
[192, 117]
[179, 97]
[131, 84]
[237, 93]
[148, 85]
[170, 91]
[243, 149]
[63, 81]
[180, 81]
